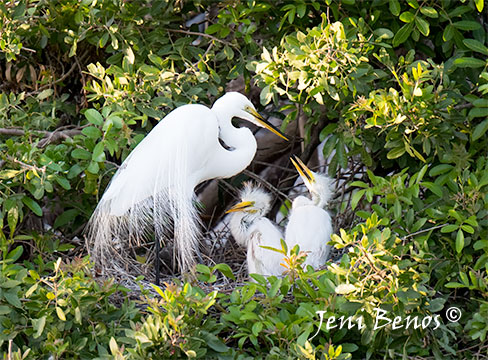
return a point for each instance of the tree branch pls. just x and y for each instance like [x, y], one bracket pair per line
[48, 136]
[187, 32]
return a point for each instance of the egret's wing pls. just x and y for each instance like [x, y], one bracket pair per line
[153, 188]
[310, 227]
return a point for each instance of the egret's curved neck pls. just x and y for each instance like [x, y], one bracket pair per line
[239, 224]
[319, 201]
[241, 140]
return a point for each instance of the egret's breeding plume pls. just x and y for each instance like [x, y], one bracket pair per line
[153, 190]
[252, 229]
[309, 225]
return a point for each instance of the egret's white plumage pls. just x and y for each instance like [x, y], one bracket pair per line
[252, 229]
[153, 190]
[309, 225]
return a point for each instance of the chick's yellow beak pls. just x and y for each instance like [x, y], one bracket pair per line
[242, 206]
[266, 124]
[305, 173]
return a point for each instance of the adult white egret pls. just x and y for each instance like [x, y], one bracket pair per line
[309, 225]
[153, 190]
[252, 229]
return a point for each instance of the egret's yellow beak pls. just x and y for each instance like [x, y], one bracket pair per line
[305, 173]
[242, 206]
[266, 124]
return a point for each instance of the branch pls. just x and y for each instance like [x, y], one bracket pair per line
[187, 32]
[48, 136]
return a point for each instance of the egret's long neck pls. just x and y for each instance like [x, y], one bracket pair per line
[243, 143]
[239, 225]
[319, 201]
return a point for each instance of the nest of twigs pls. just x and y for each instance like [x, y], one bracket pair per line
[217, 245]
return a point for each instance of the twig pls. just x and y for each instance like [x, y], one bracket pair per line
[265, 183]
[201, 34]
[49, 136]
[27, 166]
[422, 231]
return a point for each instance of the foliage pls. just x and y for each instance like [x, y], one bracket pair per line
[401, 87]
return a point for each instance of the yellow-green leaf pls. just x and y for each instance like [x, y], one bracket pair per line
[60, 313]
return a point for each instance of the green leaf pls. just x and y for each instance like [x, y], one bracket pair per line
[204, 269]
[61, 180]
[103, 40]
[397, 209]
[356, 197]
[256, 328]
[81, 154]
[478, 112]
[467, 25]
[4, 310]
[395, 153]
[459, 241]
[448, 33]
[480, 244]
[12, 219]
[402, 34]
[430, 12]
[435, 188]
[44, 94]
[274, 288]
[14, 255]
[480, 130]
[12, 298]
[266, 95]
[440, 169]
[212, 29]
[383, 33]
[395, 7]
[225, 270]
[38, 326]
[454, 285]
[413, 3]
[407, 17]
[92, 132]
[94, 117]
[475, 45]
[436, 304]
[449, 228]
[214, 342]
[65, 217]
[33, 205]
[422, 25]
[291, 15]
[467, 228]
[98, 152]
